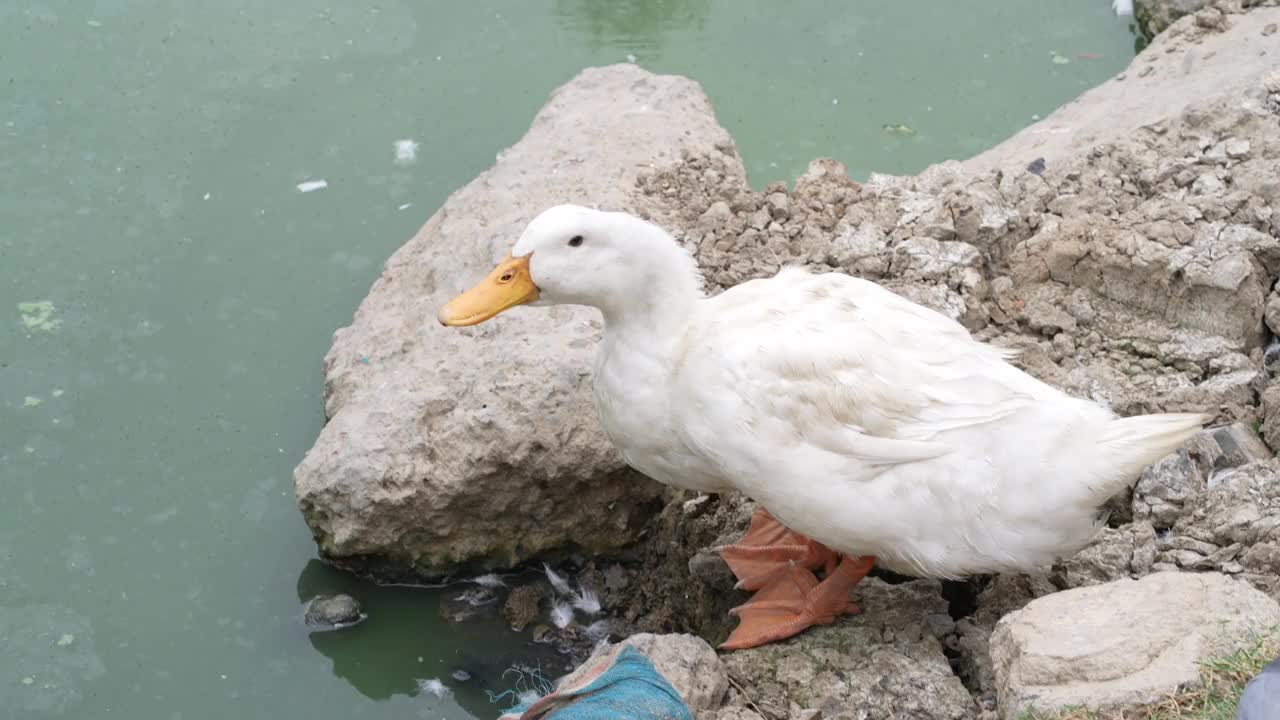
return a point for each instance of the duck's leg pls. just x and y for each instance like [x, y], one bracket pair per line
[768, 548]
[794, 601]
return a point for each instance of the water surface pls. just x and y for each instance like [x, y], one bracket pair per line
[167, 291]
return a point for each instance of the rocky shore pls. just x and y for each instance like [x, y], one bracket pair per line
[1129, 244]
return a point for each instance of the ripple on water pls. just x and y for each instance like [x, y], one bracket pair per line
[49, 658]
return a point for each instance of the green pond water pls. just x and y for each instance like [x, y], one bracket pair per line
[167, 291]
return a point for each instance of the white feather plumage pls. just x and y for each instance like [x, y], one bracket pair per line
[561, 614]
[559, 584]
[587, 601]
[858, 418]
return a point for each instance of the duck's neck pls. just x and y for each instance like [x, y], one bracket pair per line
[663, 315]
[642, 333]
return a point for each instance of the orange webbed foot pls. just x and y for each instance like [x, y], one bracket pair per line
[794, 601]
[768, 548]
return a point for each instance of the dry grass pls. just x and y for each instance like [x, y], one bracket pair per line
[1221, 682]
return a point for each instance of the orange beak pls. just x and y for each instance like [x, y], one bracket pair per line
[507, 286]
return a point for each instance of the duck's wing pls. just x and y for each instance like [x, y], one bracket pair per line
[839, 365]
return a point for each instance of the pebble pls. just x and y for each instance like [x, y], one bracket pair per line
[1236, 148]
[332, 612]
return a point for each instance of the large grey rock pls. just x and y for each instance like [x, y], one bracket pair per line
[1154, 16]
[1167, 488]
[1177, 71]
[477, 448]
[1124, 644]
[885, 663]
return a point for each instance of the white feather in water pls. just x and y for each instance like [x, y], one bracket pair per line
[587, 601]
[598, 630]
[432, 686]
[561, 615]
[560, 584]
[490, 581]
[1122, 7]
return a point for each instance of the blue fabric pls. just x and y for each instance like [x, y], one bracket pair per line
[628, 689]
[1261, 698]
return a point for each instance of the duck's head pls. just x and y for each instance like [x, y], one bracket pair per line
[573, 255]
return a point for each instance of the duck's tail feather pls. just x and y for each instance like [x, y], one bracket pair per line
[1127, 445]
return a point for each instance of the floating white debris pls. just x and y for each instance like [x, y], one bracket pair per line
[528, 697]
[58, 392]
[631, 58]
[312, 185]
[38, 315]
[94, 23]
[835, 101]
[598, 630]
[1059, 59]
[30, 401]
[28, 680]
[490, 581]
[433, 686]
[476, 597]
[405, 206]
[560, 584]
[208, 195]
[461, 675]
[406, 151]
[561, 615]
[587, 601]
[66, 639]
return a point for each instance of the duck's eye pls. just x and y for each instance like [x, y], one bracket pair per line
[575, 241]
[506, 276]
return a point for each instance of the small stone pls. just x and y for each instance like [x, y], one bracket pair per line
[716, 216]
[1237, 445]
[1064, 344]
[522, 606]
[779, 205]
[1207, 184]
[1236, 148]
[333, 612]
[1270, 29]
[1271, 416]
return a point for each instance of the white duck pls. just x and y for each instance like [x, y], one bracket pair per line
[857, 418]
